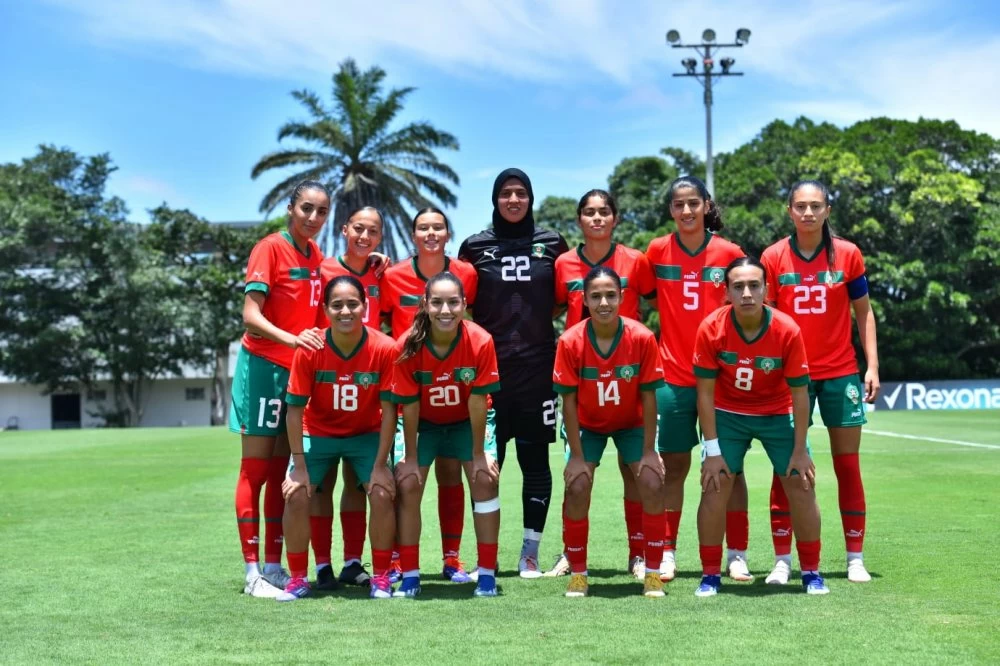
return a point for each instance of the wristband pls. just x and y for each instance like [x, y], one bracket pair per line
[711, 447]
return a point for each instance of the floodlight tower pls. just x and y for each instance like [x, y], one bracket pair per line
[706, 49]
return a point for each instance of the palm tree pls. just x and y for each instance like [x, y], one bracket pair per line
[362, 161]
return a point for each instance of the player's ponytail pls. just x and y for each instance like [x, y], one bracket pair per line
[713, 215]
[827, 230]
[421, 327]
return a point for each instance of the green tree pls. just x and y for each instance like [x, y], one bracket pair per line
[209, 260]
[353, 148]
[559, 214]
[81, 299]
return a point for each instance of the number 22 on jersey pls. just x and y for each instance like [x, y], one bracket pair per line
[515, 269]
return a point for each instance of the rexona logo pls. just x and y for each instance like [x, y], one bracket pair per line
[973, 394]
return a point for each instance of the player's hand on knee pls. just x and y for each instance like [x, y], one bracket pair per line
[651, 463]
[803, 464]
[295, 481]
[713, 471]
[405, 469]
[485, 465]
[575, 468]
[382, 478]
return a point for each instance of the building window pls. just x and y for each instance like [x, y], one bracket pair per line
[97, 395]
[194, 394]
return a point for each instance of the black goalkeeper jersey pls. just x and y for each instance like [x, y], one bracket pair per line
[516, 292]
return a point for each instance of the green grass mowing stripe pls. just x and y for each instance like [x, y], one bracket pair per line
[150, 573]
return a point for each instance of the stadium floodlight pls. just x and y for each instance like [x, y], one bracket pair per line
[708, 74]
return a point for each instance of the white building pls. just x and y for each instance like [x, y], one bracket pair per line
[172, 401]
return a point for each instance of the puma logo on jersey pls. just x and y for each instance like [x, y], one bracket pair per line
[605, 375]
[491, 252]
[558, 375]
[345, 378]
[258, 274]
[809, 278]
[697, 358]
[745, 361]
[443, 378]
[691, 276]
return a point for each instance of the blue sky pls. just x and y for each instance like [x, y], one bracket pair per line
[186, 95]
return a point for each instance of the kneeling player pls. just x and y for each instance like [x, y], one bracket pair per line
[750, 361]
[446, 369]
[607, 370]
[335, 412]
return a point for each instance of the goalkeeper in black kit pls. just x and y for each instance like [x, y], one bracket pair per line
[515, 302]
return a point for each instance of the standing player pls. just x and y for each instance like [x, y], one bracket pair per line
[689, 265]
[817, 279]
[363, 233]
[403, 287]
[515, 263]
[597, 215]
[283, 291]
[446, 370]
[607, 370]
[336, 411]
[750, 361]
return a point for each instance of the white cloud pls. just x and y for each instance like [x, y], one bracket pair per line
[840, 61]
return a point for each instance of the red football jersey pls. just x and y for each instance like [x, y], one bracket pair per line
[403, 286]
[342, 393]
[689, 286]
[443, 385]
[608, 386]
[631, 265]
[751, 376]
[814, 294]
[293, 288]
[335, 267]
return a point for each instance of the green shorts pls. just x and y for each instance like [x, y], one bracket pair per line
[322, 453]
[840, 401]
[676, 418]
[737, 431]
[258, 398]
[628, 442]
[451, 441]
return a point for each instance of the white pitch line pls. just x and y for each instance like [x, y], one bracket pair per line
[886, 433]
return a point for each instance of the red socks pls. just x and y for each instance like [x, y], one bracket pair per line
[487, 556]
[381, 559]
[808, 555]
[634, 522]
[654, 526]
[673, 524]
[451, 513]
[274, 509]
[321, 536]
[781, 519]
[575, 535]
[737, 530]
[851, 494]
[298, 564]
[354, 524]
[409, 558]
[253, 474]
[711, 560]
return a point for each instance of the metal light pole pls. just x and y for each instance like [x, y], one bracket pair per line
[706, 50]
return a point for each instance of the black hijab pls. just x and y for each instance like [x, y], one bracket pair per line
[502, 227]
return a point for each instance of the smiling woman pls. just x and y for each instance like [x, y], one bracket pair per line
[283, 293]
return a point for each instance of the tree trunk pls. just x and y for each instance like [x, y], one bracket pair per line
[220, 396]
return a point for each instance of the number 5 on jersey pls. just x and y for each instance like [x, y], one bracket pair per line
[515, 269]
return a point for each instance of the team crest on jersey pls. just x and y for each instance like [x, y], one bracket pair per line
[627, 373]
[538, 250]
[365, 379]
[717, 275]
[373, 290]
[767, 365]
[852, 393]
[465, 375]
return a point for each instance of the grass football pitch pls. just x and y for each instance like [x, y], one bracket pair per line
[120, 546]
